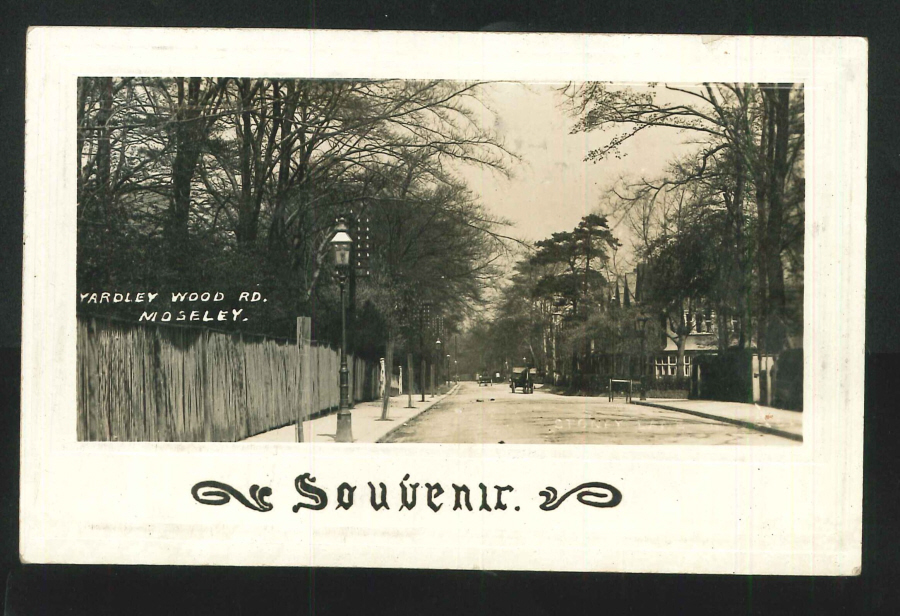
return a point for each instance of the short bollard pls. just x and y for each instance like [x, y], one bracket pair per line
[344, 432]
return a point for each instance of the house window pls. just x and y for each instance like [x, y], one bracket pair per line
[667, 365]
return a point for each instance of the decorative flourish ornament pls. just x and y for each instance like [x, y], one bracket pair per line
[218, 493]
[586, 495]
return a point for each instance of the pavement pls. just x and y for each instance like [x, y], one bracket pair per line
[788, 424]
[366, 422]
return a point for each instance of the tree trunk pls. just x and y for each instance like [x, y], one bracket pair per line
[766, 152]
[278, 232]
[388, 373]
[679, 363]
[103, 192]
[247, 212]
[775, 227]
[104, 150]
[741, 256]
[422, 378]
[410, 379]
[187, 152]
[84, 85]
[724, 335]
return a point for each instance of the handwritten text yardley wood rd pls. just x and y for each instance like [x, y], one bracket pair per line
[165, 316]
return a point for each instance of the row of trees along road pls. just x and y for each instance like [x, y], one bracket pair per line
[722, 230]
[718, 236]
[558, 306]
[234, 184]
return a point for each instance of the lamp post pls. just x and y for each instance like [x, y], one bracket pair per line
[424, 313]
[447, 375]
[641, 326]
[341, 243]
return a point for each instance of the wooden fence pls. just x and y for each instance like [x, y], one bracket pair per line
[142, 382]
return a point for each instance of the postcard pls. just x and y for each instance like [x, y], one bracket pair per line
[544, 302]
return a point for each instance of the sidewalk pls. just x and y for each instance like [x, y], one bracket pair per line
[367, 426]
[788, 424]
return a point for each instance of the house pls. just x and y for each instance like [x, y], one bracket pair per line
[665, 362]
[703, 338]
[761, 373]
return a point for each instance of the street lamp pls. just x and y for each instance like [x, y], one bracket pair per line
[641, 326]
[424, 314]
[447, 375]
[341, 244]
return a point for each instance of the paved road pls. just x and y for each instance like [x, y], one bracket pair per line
[494, 414]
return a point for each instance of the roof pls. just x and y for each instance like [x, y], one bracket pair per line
[695, 342]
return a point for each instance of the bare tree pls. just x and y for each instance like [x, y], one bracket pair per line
[750, 143]
[432, 241]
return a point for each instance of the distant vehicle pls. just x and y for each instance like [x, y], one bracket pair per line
[522, 377]
[485, 379]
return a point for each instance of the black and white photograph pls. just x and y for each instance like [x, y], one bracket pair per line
[460, 301]
[437, 261]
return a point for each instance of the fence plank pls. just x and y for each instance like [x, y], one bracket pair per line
[304, 344]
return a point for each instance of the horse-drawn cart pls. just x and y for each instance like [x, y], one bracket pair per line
[522, 378]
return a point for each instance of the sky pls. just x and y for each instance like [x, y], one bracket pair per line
[552, 187]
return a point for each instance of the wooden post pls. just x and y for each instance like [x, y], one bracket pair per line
[409, 380]
[304, 343]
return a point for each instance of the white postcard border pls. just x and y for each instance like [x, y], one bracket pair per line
[759, 510]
